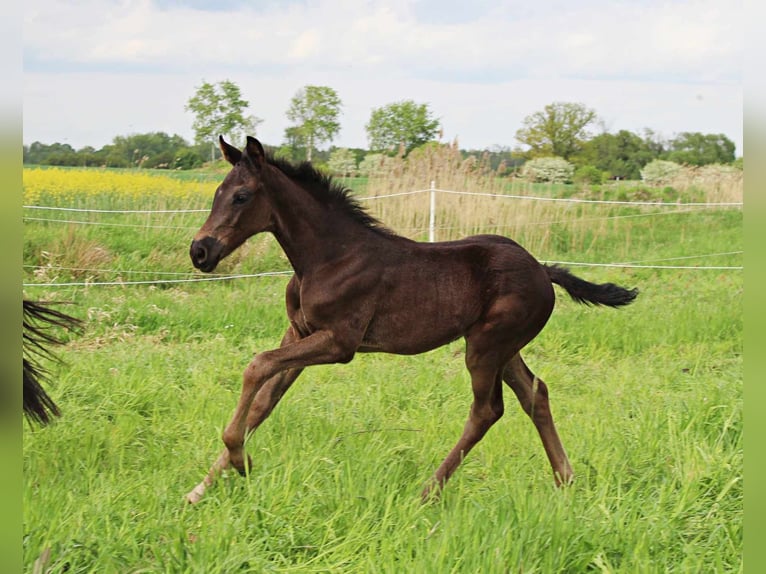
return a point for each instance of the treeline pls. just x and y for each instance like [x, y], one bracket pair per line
[624, 154]
[620, 155]
[155, 150]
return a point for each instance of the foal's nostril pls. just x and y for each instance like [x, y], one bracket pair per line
[199, 253]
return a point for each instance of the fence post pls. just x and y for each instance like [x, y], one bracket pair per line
[432, 213]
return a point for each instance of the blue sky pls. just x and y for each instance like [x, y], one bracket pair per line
[94, 69]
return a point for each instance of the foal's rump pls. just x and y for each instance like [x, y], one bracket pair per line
[520, 261]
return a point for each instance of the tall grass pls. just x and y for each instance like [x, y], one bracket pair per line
[648, 401]
[496, 205]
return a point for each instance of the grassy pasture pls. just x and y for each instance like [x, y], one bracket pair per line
[648, 401]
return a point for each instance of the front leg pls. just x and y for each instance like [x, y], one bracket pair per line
[265, 401]
[321, 347]
[264, 382]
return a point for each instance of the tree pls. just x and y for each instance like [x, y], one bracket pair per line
[660, 171]
[622, 154]
[150, 150]
[220, 110]
[560, 129]
[314, 111]
[375, 165]
[695, 148]
[404, 123]
[40, 153]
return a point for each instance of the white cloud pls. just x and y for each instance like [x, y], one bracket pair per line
[586, 38]
[639, 64]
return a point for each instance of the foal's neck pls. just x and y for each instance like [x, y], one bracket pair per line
[310, 231]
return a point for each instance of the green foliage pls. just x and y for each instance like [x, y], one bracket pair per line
[502, 159]
[588, 175]
[314, 111]
[404, 124]
[560, 129]
[622, 154]
[548, 170]
[187, 159]
[374, 165]
[660, 171]
[53, 154]
[219, 109]
[154, 150]
[695, 148]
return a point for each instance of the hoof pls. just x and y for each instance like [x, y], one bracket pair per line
[431, 493]
[563, 481]
[241, 466]
[195, 495]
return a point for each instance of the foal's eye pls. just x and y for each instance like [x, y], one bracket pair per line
[239, 198]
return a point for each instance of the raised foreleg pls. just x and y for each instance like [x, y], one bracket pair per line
[266, 398]
[271, 373]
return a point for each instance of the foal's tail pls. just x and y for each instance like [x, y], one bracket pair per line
[590, 293]
[38, 317]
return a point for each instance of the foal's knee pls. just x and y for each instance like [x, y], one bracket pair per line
[262, 368]
[232, 439]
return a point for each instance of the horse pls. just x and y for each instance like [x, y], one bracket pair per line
[357, 286]
[37, 319]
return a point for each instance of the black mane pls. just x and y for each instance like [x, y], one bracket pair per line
[329, 192]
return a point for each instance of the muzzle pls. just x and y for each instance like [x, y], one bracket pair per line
[205, 253]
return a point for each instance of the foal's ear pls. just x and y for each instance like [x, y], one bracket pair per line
[254, 151]
[230, 153]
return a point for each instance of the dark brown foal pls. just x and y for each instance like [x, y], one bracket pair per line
[359, 287]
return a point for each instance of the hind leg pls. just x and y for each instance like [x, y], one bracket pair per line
[487, 408]
[533, 396]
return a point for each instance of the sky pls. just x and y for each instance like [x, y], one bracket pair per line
[96, 69]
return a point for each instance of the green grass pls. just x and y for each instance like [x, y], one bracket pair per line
[647, 399]
[651, 417]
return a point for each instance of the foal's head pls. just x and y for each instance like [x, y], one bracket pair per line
[240, 207]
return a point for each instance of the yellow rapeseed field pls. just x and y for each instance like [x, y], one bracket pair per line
[61, 185]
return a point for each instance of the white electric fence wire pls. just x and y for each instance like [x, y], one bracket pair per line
[633, 265]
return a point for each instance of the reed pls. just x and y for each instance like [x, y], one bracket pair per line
[473, 199]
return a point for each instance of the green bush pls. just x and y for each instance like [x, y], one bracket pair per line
[374, 165]
[589, 175]
[187, 159]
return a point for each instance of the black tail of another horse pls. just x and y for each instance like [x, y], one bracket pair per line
[39, 318]
[588, 293]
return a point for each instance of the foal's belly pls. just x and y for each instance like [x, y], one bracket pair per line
[417, 328]
[407, 345]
